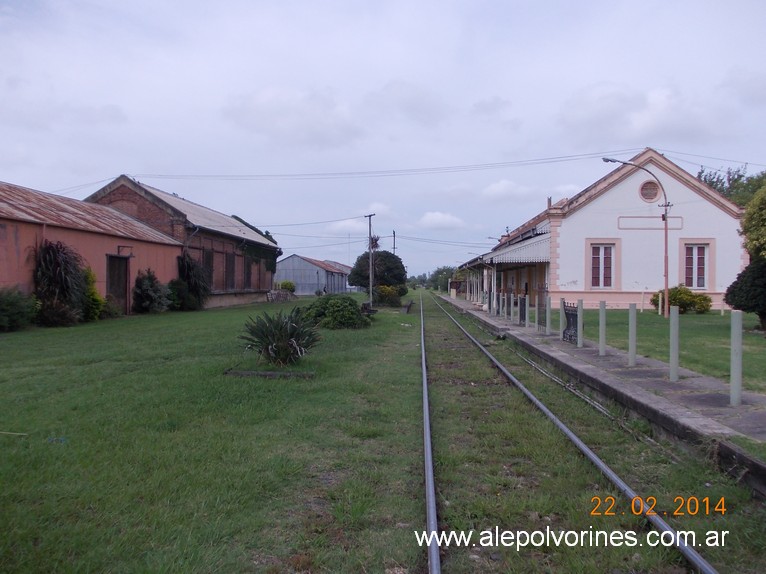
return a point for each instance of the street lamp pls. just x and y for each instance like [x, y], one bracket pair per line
[665, 206]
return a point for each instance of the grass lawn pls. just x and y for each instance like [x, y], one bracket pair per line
[137, 452]
[704, 341]
[140, 454]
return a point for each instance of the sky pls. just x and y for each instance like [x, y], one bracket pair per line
[450, 121]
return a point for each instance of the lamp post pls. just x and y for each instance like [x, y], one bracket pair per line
[665, 206]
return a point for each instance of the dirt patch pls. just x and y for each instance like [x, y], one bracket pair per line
[271, 374]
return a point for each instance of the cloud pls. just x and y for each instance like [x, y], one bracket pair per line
[440, 220]
[378, 208]
[402, 100]
[491, 107]
[355, 226]
[618, 113]
[292, 117]
[505, 189]
[746, 86]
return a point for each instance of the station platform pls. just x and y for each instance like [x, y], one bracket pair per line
[696, 408]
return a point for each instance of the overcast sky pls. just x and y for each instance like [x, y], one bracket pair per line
[275, 90]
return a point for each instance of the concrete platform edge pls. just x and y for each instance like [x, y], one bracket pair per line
[729, 457]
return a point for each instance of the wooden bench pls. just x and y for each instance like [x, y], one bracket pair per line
[279, 296]
[367, 309]
[406, 308]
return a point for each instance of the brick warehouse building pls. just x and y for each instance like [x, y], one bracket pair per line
[112, 244]
[240, 259]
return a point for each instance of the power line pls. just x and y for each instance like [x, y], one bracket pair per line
[385, 172]
[713, 158]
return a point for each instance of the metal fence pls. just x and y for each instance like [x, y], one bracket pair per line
[570, 331]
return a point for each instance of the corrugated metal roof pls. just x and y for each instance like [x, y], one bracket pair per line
[24, 204]
[326, 265]
[341, 267]
[533, 250]
[208, 218]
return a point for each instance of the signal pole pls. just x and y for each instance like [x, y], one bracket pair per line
[369, 246]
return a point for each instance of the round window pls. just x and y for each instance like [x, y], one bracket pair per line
[650, 191]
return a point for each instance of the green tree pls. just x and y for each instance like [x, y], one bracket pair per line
[754, 225]
[734, 184]
[748, 292]
[440, 277]
[389, 270]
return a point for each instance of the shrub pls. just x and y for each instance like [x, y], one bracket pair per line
[16, 309]
[55, 313]
[93, 302]
[287, 286]
[337, 312]
[281, 339]
[149, 295]
[60, 284]
[685, 299]
[387, 295]
[197, 281]
[748, 292]
[181, 298]
[111, 309]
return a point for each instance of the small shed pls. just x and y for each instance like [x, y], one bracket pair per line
[312, 275]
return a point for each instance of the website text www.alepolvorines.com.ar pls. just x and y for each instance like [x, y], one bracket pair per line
[549, 537]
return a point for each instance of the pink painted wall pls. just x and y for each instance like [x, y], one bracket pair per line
[18, 238]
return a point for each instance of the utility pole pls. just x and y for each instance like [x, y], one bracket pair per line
[394, 241]
[369, 246]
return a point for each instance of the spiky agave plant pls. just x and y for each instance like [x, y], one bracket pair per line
[60, 283]
[282, 339]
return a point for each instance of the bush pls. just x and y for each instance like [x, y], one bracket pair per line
[281, 339]
[93, 302]
[60, 284]
[181, 297]
[287, 286]
[149, 295]
[387, 295]
[337, 312]
[111, 309]
[197, 281]
[55, 313]
[685, 299]
[748, 292]
[16, 309]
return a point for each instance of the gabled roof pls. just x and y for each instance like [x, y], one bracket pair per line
[24, 204]
[195, 214]
[346, 269]
[329, 266]
[648, 157]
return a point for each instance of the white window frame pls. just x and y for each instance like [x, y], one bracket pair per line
[695, 247]
[601, 267]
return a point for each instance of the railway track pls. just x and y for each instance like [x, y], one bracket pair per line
[455, 361]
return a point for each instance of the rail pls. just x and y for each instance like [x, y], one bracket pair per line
[694, 558]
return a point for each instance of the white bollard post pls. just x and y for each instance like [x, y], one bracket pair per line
[735, 370]
[674, 343]
[661, 306]
[526, 309]
[601, 328]
[580, 319]
[548, 316]
[632, 335]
